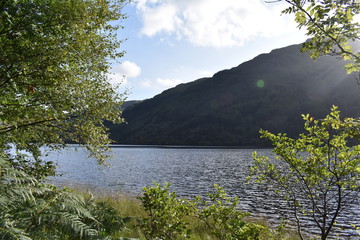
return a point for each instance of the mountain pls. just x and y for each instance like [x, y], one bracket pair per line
[127, 104]
[270, 92]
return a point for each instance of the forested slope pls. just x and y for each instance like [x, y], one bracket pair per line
[270, 92]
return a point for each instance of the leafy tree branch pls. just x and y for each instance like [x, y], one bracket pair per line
[332, 27]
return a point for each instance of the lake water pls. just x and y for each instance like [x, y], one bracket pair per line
[190, 171]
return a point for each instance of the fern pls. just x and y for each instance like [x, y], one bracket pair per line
[15, 188]
[30, 209]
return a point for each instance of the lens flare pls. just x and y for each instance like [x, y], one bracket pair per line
[260, 83]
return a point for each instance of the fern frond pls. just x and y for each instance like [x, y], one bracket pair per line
[31, 209]
[11, 233]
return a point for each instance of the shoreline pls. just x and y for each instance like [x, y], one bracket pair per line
[185, 146]
[173, 146]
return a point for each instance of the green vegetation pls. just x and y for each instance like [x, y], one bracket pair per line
[30, 209]
[320, 174]
[220, 213]
[161, 214]
[331, 26]
[165, 214]
[54, 88]
[54, 63]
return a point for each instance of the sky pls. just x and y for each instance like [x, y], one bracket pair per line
[169, 42]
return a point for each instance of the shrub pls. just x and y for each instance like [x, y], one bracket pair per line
[318, 173]
[221, 215]
[166, 213]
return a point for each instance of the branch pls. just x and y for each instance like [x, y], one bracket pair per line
[7, 80]
[3, 31]
[337, 211]
[333, 39]
[11, 128]
[298, 223]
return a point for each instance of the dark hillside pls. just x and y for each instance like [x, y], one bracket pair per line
[230, 108]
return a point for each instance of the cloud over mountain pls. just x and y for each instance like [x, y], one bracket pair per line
[213, 23]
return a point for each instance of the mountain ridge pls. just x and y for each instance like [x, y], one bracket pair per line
[229, 108]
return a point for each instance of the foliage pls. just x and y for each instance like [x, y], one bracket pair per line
[30, 209]
[169, 217]
[54, 64]
[54, 88]
[319, 172]
[125, 205]
[332, 27]
[109, 220]
[226, 222]
[166, 213]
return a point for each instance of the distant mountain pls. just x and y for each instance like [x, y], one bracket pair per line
[270, 92]
[127, 104]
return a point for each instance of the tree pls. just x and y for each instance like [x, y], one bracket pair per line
[332, 27]
[54, 65]
[54, 69]
[318, 174]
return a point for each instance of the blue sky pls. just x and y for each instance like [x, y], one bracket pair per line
[177, 41]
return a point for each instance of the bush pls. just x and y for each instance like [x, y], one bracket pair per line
[220, 214]
[318, 173]
[166, 213]
[169, 217]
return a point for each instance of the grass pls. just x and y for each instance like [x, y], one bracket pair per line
[130, 207]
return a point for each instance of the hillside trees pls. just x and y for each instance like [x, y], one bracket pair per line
[54, 64]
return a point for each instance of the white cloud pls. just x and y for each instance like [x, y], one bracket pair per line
[212, 22]
[168, 82]
[116, 78]
[157, 19]
[160, 83]
[120, 73]
[127, 69]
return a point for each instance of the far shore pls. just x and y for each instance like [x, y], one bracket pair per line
[175, 146]
[185, 146]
